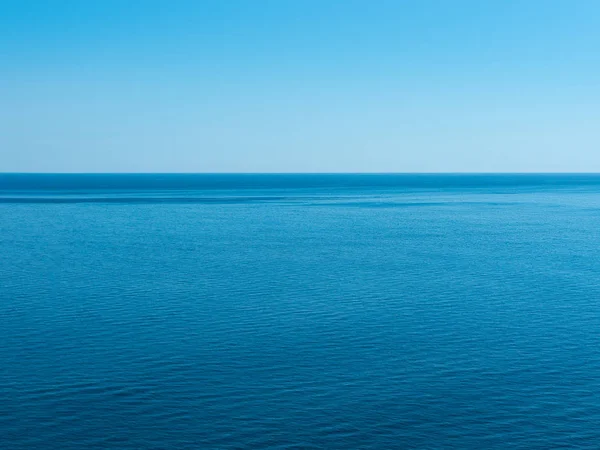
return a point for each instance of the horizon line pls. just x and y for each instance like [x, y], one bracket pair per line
[299, 173]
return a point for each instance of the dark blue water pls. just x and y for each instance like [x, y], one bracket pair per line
[299, 311]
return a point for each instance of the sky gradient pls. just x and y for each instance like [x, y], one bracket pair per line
[300, 86]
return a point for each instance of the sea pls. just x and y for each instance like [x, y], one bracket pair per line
[297, 311]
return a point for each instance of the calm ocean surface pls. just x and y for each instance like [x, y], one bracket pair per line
[299, 311]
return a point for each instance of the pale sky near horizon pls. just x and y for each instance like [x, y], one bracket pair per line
[300, 86]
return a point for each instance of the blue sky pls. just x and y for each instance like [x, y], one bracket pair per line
[300, 86]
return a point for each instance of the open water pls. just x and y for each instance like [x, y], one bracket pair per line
[299, 311]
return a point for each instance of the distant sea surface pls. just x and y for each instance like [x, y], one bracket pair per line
[299, 311]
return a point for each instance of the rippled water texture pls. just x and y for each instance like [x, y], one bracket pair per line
[299, 311]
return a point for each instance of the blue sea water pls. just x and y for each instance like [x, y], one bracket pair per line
[299, 311]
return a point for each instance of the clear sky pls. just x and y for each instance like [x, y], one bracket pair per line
[300, 86]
